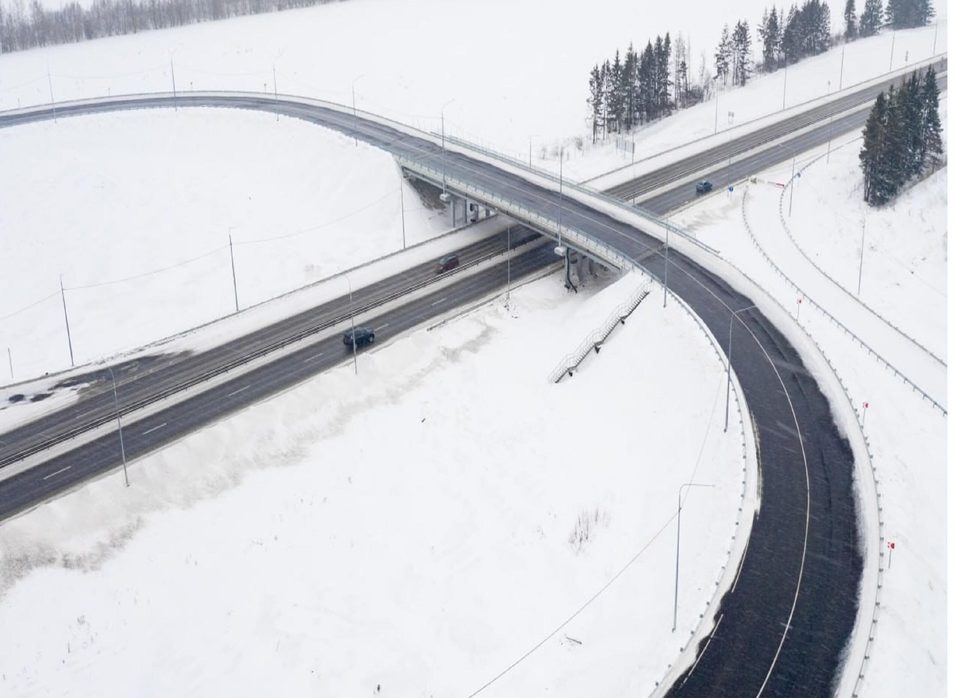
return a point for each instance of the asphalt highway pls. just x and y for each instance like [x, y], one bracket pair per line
[143, 435]
[782, 628]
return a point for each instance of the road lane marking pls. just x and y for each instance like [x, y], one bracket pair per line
[159, 426]
[239, 390]
[377, 329]
[47, 477]
[439, 301]
[311, 358]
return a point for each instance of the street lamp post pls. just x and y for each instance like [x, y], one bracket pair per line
[863, 242]
[726, 414]
[443, 147]
[116, 404]
[666, 266]
[676, 578]
[353, 331]
[233, 269]
[353, 97]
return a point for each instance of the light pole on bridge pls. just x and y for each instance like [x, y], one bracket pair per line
[676, 578]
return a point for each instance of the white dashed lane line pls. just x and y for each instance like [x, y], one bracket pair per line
[47, 477]
[159, 426]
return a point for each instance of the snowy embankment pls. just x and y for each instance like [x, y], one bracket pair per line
[905, 262]
[305, 556]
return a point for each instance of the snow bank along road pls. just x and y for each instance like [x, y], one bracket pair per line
[783, 625]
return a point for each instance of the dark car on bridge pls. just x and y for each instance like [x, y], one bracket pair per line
[451, 261]
[704, 186]
[363, 335]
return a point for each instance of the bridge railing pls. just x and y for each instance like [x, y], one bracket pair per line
[520, 212]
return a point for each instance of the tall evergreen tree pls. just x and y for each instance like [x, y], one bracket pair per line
[628, 87]
[932, 141]
[741, 53]
[647, 83]
[792, 38]
[850, 21]
[870, 152]
[662, 51]
[770, 36]
[615, 94]
[894, 153]
[872, 18]
[595, 100]
[723, 54]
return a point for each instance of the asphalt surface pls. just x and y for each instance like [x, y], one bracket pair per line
[783, 626]
[141, 436]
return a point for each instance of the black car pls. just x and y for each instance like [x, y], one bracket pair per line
[363, 335]
[704, 186]
[451, 261]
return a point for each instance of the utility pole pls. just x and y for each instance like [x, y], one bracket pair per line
[116, 403]
[443, 155]
[676, 578]
[233, 269]
[863, 240]
[560, 206]
[666, 267]
[829, 127]
[10, 359]
[793, 167]
[843, 50]
[785, 63]
[353, 330]
[276, 99]
[726, 413]
[936, 28]
[508, 269]
[893, 40]
[716, 108]
[353, 95]
[53, 102]
[173, 79]
[66, 320]
[403, 222]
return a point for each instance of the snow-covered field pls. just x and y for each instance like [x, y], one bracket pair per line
[305, 557]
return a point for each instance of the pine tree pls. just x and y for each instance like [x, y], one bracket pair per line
[871, 151]
[894, 155]
[872, 18]
[628, 87]
[596, 100]
[647, 83]
[741, 53]
[791, 43]
[770, 37]
[931, 139]
[850, 21]
[662, 53]
[615, 94]
[723, 54]
[910, 108]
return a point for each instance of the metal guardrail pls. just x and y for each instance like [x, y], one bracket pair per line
[595, 340]
[233, 363]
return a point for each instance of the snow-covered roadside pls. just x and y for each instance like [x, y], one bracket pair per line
[905, 435]
[413, 560]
